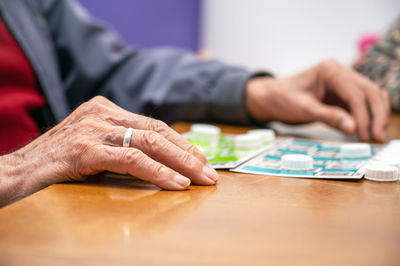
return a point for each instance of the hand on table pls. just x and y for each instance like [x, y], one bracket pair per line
[89, 141]
[328, 92]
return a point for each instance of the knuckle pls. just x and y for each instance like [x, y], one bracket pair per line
[336, 117]
[103, 101]
[305, 106]
[88, 107]
[194, 150]
[89, 126]
[81, 155]
[159, 173]
[190, 163]
[86, 122]
[84, 108]
[329, 68]
[151, 139]
[156, 125]
[80, 145]
[329, 63]
[133, 157]
[99, 99]
[148, 122]
[94, 105]
[112, 136]
[373, 88]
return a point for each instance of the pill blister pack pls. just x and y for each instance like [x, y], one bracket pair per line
[260, 152]
[225, 155]
[328, 162]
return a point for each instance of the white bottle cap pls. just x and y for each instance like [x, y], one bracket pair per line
[247, 141]
[205, 129]
[393, 148]
[395, 142]
[267, 135]
[355, 150]
[204, 133]
[386, 160]
[382, 173]
[297, 162]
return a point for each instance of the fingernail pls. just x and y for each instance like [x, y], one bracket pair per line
[209, 171]
[347, 125]
[181, 180]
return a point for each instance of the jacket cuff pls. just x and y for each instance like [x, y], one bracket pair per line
[228, 99]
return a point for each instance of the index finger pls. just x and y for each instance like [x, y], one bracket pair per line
[342, 82]
[378, 107]
[136, 163]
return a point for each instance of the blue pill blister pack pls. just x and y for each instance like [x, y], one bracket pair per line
[328, 162]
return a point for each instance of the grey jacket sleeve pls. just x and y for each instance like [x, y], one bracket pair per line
[168, 84]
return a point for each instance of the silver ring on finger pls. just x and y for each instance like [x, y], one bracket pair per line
[127, 138]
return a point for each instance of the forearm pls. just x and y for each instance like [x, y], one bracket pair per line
[11, 179]
[21, 176]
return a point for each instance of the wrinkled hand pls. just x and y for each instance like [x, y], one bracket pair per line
[89, 141]
[328, 92]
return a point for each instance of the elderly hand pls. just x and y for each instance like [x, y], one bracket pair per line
[89, 141]
[328, 92]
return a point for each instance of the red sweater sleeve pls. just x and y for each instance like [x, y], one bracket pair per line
[19, 95]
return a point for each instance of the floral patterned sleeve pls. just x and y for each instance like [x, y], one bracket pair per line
[381, 64]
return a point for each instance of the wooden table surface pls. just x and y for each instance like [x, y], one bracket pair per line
[244, 220]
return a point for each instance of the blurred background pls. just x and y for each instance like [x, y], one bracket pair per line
[282, 36]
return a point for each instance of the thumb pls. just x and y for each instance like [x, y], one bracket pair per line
[333, 116]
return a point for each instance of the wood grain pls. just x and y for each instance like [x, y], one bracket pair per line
[244, 220]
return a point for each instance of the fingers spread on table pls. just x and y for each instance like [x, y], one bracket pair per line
[160, 149]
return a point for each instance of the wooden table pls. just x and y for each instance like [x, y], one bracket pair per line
[244, 220]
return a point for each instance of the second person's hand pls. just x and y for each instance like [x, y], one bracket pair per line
[328, 92]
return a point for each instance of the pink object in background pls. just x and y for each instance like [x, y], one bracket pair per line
[367, 41]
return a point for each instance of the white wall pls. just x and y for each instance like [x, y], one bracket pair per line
[287, 36]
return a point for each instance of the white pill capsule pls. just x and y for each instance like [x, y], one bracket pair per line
[205, 129]
[267, 135]
[355, 150]
[296, 162]
[247, 141]
[205, 133]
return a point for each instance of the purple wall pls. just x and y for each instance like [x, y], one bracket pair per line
[151, 22]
